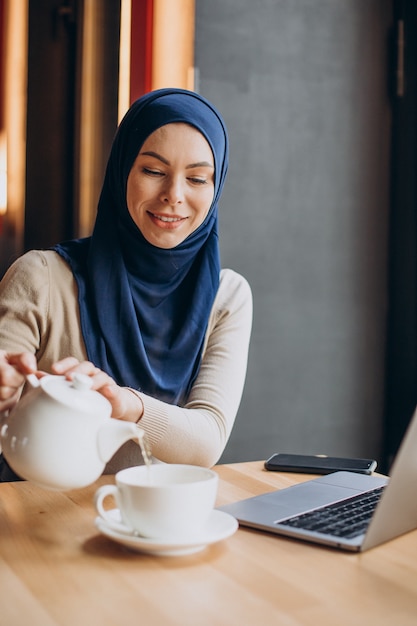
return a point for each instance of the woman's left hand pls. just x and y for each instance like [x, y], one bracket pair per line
[125, 404]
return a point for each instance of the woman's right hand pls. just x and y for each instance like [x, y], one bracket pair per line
[13, 371]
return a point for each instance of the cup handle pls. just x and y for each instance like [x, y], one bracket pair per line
[101, 494]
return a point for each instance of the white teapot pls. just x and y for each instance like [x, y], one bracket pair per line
[60, 434]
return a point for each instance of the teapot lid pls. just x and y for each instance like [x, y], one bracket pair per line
[76, 393]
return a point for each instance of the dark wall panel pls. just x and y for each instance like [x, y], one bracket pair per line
[304, 216]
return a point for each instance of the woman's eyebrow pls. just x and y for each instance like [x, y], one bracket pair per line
[156, 156]
[200, 164]
[166, 162]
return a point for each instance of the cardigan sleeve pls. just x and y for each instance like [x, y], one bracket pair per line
[24, 303]
[39, 309]
[197, 433]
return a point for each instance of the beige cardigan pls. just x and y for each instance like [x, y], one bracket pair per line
[39, 313]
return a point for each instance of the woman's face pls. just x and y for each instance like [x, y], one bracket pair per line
[170, 187]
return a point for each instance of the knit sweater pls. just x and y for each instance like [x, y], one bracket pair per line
[39, 313]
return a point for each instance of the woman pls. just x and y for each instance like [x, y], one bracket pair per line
[142, 305]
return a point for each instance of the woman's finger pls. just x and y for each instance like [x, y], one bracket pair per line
[65, 365]
[25, 362]
[71, 366]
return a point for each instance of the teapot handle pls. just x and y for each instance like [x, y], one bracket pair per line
[4, 415]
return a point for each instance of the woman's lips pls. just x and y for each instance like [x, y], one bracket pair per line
[166, 221]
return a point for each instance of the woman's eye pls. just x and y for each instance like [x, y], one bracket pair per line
[150, 172]
[198, 181]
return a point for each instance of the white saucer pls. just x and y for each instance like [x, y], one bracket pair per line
[220, 525]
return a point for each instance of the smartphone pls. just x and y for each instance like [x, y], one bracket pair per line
[318, 464]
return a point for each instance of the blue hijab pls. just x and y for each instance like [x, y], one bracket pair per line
[144, 310]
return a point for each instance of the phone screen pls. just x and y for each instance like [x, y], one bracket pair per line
[317, 464]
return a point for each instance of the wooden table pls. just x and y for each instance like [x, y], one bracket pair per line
[56, 569]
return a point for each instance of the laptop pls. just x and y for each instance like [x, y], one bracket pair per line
[319, 509]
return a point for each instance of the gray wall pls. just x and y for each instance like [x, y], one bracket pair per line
[302, 85]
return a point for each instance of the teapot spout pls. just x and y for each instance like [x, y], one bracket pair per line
[114, 434]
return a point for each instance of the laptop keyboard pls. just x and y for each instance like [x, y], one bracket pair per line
[346, 519]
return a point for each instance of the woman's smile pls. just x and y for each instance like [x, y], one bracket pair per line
[170, 187]
[166, 221]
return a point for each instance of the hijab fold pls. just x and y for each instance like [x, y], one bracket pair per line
[144, 310]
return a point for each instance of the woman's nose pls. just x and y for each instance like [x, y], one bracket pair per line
[173, 192]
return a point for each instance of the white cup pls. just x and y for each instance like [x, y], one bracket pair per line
[163, 501]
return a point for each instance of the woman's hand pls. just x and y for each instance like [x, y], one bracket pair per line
[125, 404]
[13, 371]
